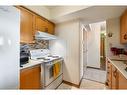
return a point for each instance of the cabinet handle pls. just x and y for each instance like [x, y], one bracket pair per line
[125, 36]
[107, 84]
[115, 73]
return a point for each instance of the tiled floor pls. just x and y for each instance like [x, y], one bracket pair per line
[85, 84]
[93, 79]
[95, 75]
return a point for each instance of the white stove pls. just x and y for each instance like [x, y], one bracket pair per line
[43, 55]
[47, 78]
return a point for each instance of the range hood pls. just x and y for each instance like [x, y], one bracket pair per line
[44, 36]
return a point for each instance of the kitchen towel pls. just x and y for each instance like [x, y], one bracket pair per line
[56, 69]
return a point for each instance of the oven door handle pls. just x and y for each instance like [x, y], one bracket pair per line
[52, 63]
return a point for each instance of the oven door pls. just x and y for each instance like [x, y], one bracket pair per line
[49, 77]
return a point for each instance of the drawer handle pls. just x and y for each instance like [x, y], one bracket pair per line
[107, 84]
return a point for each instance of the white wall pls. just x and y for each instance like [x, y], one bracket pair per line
[93, 38]
[58, 47]
[81, 51]
[41, 10]
[113, 25]
[69, 32]
[85, 50]
[9, 47]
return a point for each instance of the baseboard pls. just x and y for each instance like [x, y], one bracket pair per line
[93, 67]
[71, 84]
[81, 81]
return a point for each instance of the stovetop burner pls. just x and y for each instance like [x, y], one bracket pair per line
[53, 56]
[43, 58]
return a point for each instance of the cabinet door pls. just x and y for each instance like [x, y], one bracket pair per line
[51, 28]
[41, 24]
[30, 78]
[114, 78]
[122, 82]
[26, 28]
[123, 27]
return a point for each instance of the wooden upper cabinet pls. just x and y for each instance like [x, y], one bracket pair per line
[123, 28]
[31, 23]
[26, 26]
[41, 24]
[51, 28]
[44, 25]
[30, 78]
[122, 82]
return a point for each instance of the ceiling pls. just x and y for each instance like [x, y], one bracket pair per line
[86, 14]
[93, 14]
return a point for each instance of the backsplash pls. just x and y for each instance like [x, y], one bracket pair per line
[42, 44]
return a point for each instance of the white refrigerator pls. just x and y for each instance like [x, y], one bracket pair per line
[9, 47]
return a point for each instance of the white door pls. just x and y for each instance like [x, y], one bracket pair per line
[85, 50]
[9, 47]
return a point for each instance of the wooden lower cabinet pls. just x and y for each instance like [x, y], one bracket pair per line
[114, 78]
[30, 78]
[109, 75]
[122, 82]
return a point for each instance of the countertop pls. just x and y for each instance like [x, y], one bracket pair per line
[118, 58]
[33, 63]
[30, 64]
[120, 66]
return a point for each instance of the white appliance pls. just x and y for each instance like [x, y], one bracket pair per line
[9, 47]
[44, 36]
[47, 78]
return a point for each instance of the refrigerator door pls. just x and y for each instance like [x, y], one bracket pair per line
[9, 47]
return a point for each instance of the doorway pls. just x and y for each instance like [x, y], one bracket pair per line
[102, 50]
[94, 51]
